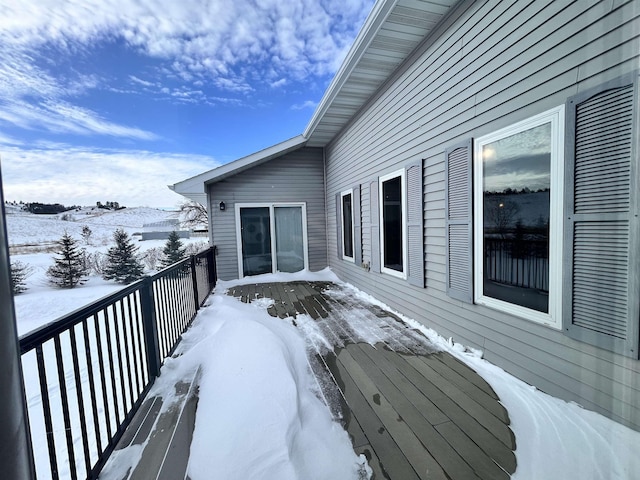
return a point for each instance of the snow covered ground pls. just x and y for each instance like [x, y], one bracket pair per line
[41, 303]
[259, 416]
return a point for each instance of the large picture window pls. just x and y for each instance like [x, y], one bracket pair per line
[393, 224]
[347, 225]
[518, 218]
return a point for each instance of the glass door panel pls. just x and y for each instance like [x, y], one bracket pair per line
[289, 239]
[256, 240]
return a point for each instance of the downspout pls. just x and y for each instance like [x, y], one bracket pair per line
[16, 455]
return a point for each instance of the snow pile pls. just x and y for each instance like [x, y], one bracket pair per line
[556, 439]
[259, 413]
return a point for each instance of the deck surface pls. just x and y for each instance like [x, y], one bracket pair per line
[415, 412]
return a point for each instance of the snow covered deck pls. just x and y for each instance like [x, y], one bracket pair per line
[414, 411]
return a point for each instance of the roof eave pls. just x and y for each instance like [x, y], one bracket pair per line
[374, 21]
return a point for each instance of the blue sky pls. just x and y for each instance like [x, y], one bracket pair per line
[112, 100]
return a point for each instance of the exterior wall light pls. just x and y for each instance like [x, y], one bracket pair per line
[222, 206]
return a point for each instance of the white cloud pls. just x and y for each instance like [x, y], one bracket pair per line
[63, 117]
[238, 47]
[71, 175]
[32, 99]
[301, 106]
[200, 39]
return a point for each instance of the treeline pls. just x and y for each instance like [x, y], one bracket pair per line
[48, 208]
[110, 205]
[53, 208]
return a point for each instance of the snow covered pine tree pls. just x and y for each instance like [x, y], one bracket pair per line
[123, 264]
[173, 250]
[69, 270]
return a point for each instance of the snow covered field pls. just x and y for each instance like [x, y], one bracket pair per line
[41, 303]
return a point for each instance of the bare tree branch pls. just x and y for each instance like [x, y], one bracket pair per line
[192, 214]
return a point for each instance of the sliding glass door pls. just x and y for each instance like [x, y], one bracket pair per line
[271, 238]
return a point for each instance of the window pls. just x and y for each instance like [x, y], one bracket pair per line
[393, 224]
[347, 225]
[517, 183]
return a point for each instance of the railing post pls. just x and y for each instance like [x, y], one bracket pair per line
[213, 269]
[16, 454]
[194, 281]
[150, 328]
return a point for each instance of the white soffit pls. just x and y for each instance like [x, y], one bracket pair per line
[392, 31]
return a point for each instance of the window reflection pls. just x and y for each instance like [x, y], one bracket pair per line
[516, 212]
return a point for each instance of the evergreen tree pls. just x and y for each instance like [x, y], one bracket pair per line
[123, 264]
[173, 250]
[68, 271]
[19, 273]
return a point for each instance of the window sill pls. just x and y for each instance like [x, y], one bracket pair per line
[544, 319]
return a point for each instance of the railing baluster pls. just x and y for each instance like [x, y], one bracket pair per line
[133, 321]
[120, 363]
[46, 408]
[103, 376]
[194, 279]
[114, 391]
[141, 352]
[127, 347]
[92, 387]
[78, 380]
[65, 407]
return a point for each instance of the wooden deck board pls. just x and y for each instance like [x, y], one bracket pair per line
[394, 462]
[464, 384]
[465, 401]
[410, 445]
[409, 391]
[433, 442]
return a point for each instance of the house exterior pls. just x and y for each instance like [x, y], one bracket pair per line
[477, 170]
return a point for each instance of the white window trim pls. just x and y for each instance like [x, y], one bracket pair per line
[552, 319]
[272, 227]
[403, 185]
[353, 237]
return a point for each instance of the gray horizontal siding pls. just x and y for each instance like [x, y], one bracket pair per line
[492, 64]
[295, 177]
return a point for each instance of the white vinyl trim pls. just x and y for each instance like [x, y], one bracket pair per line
[552, 319]
[403, 200]
[271, 206]
[352, 233]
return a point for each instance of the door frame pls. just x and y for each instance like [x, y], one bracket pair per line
[272, 225]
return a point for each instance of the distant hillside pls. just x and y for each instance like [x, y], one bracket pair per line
[24, 228]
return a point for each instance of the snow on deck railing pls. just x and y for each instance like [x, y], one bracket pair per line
[87, 373]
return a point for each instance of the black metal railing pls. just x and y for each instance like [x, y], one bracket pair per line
[517, 262]
[87, 373]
